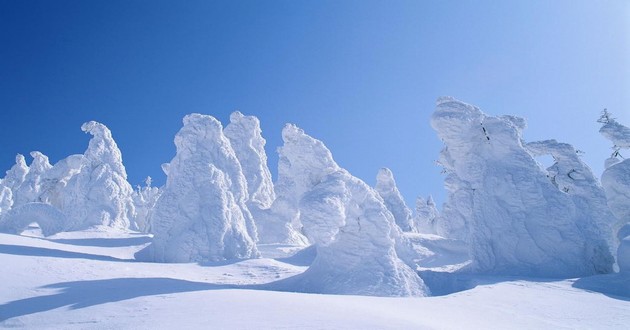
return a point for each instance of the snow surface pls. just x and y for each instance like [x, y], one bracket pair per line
[86, 280]
[517, 219]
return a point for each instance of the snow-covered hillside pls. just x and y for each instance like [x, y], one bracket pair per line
[221, 245]
[88, 280]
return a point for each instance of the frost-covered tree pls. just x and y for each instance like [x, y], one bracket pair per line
[387, 189]
[246, 139]
[347, 221]
[426, 215]
[515, 219]
[30, 189]
[95, 190]
[144, 199]
[616, 183]
[201, 214]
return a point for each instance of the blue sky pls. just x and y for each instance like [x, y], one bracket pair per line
[362, 76]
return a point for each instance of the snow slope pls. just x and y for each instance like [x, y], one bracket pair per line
[86, 280]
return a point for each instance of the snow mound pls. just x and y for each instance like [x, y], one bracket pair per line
[348, 223]
[201, 215]
[50, 220]
[517, 221]
[386, 188]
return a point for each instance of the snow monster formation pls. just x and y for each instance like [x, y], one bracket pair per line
[515, 218]
[96, 191]
[144, 199]
[30, 189]
[201, 215]
[11, 182]
[616, 183]
[246, 139]
[76, 193]
[348, 223]
[386, 188]
[426, 215]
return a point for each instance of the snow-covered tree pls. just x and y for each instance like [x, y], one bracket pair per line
[347, 221]
[201, 214]
[387, 189]
[616, 183]
[516, 220]
[426, 215]
[144, 199]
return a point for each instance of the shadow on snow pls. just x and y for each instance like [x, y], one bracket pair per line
[81, 294]
[21, 250]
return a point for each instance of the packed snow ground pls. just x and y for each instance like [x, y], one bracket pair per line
[88, 279]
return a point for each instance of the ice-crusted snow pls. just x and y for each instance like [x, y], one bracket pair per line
[347, 221]
[386, 188]
[426, 215]
[516, 220]
[201, 214]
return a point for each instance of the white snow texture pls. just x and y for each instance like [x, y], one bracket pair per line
[88, 190]
[201, 214]
[386, 188]
[517, 217]
[347, 221]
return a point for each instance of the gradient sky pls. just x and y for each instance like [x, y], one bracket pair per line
[362, 76]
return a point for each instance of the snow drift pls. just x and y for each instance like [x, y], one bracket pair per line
[516, 219]
[201, 214]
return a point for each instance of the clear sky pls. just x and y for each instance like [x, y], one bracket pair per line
[362, 76]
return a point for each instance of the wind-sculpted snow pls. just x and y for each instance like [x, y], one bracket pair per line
[517, 221]
[386, 188]
[201, 214]
[426, 215]
[97, 191]
[348, 223]
[50, 220]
